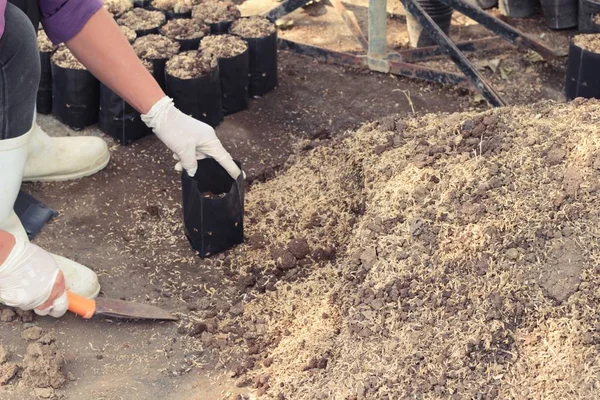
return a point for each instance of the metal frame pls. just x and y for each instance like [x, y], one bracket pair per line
[377, 57]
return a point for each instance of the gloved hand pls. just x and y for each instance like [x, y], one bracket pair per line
[188, 138]
[30, 280]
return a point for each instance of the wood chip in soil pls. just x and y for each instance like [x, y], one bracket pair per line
[462, 261]
[118, 7]
[223, 46]
[213, 12]
[191, 64]
[139, 19]
[65, 59]
[253, 27]
[155, 47]
[44, 44]
[184, 28]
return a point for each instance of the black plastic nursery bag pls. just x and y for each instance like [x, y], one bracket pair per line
[234, 72]
[188, 44]
[263, 64]
[213, 208]
[141, 3]
[199, 97]
[158, 70]
[75, 97]
[220, 27]
[583, 79]
[118, 119]
[44, 94]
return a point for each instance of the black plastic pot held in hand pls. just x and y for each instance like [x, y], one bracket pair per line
[441, 15]
[75, 97]
[518, 8]
[583, 79]
[44, 94]
[118, 119]
[199, 97]
[589, 10]
[234, 77]
[213, 208]
[560, 14]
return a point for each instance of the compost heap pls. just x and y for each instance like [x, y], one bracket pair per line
[437, 256]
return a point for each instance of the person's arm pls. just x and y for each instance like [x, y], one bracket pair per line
[30, 278]
[103, 49]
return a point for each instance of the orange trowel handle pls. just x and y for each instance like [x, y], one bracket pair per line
[81, 306]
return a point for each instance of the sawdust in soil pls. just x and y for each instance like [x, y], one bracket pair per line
[129, 33]
[118, 7]
[191, 64]
[140, 19]
[155, 47]
[253, 27]
[213, 12]
[589, 42]
[223, 46]
[435, 256]
[65, 59]
[184, 28]
[44, 44]
[176, 6]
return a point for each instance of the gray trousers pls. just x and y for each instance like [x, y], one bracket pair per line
[19, 73]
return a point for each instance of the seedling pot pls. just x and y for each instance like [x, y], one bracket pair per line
[234, 75]
[118, 119]
[199, 97]
[213, 208]
[589, 16]
[518, 8]
[439, 13]
[560, 14]
[583, 79]
[44, 94]
[75, 97]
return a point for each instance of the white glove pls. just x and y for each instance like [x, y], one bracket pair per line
[27, 278]
[188, 138]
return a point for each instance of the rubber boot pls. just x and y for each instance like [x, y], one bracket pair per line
[53, 159]
[13, 154]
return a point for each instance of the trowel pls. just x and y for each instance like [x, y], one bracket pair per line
[102, 306]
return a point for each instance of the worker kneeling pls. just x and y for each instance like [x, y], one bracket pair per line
[30, 277]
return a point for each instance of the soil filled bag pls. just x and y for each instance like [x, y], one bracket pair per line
[75, 91]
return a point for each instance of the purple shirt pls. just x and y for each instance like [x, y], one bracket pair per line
[62, 19]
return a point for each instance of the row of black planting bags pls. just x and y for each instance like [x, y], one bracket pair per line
[78, 99]
[559, 14]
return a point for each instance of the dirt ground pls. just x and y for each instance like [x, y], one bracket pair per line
[125, 222]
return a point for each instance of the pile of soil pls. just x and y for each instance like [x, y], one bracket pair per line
[129, 33]
[213, 12]
[44, 44]
[118, 7]
[443, 256]
[191, 64]
[182, 28]
[140, 19]
[253, 27]
[65, 59]
[589, 42]
[176, 6]
[155, 47]
[223, 46]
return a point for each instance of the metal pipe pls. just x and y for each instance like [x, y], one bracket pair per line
[378, 36]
